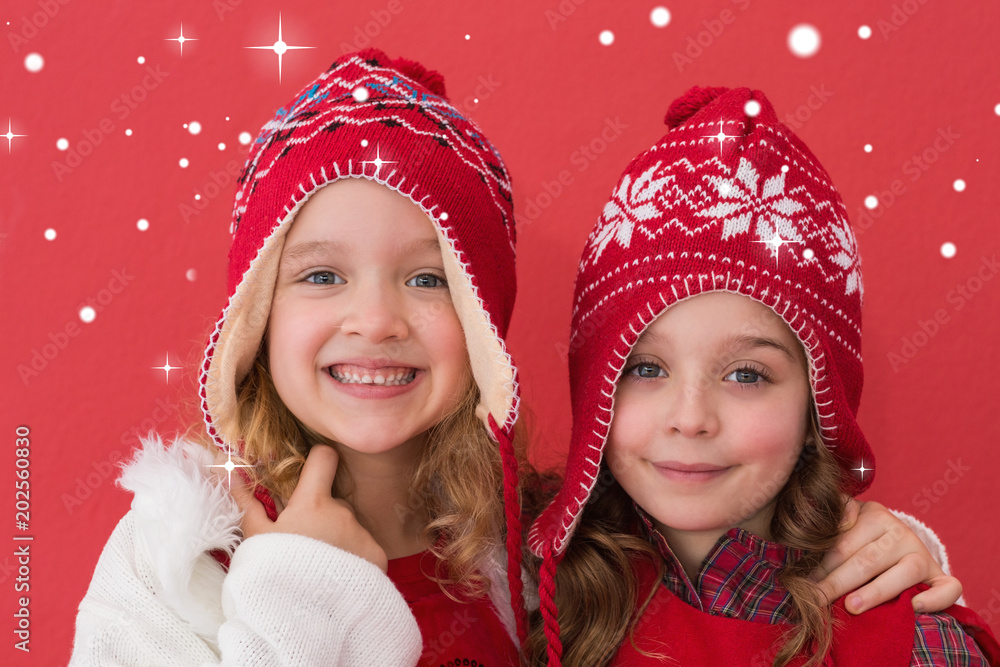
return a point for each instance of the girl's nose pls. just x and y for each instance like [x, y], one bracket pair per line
[691, 412]
[377, 314]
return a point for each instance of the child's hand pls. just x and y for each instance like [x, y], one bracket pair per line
[876, 545]
[312, 511]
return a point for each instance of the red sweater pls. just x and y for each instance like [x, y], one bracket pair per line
[455, 633]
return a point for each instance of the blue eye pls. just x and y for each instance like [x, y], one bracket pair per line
[325, 278]
[427, 280]
[748, 376]
[646, 371]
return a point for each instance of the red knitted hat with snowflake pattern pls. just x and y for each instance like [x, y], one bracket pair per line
[729, 199]
[387, 121]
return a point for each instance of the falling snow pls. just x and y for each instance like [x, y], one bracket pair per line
[871, 201]
[34, 62]
[948, 250]
[142, 225]
[864, 32]
[607, 37]
[194, 127]
[959, 185]
[87, 314]
[50, 234]
[660, 17]
[752, 108]
[804, 40]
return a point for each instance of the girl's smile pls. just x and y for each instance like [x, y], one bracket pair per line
[690, 473]
[364, 378]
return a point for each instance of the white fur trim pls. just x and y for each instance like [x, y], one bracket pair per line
[930, 540]
[183, 514]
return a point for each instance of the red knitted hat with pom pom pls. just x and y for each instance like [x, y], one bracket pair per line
[728, 200]
[387, 121]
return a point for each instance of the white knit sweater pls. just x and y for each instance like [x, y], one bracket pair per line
[158, 598]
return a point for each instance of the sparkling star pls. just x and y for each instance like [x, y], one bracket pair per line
[229, 466]
[279, 47]
[10, 135]
[720, 137]
[180, 40]
[166, 368]
[862, 469]
[378, 161]
[776, 242]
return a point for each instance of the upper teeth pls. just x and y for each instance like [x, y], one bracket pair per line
[381, 377]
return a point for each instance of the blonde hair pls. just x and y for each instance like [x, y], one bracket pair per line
[458, 481]
[597, 591]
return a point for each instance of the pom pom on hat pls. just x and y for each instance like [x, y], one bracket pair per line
[428, 78]
[691, 103]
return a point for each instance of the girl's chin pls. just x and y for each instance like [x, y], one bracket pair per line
[370, 441]
[696, 520]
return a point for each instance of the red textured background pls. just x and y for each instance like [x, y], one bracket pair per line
[547, 90]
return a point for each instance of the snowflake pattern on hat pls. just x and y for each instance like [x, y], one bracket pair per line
[736, 202]
[632, 202]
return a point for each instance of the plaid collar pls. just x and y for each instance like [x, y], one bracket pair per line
[737, 579]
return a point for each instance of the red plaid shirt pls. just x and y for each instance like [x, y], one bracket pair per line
[739, 579]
